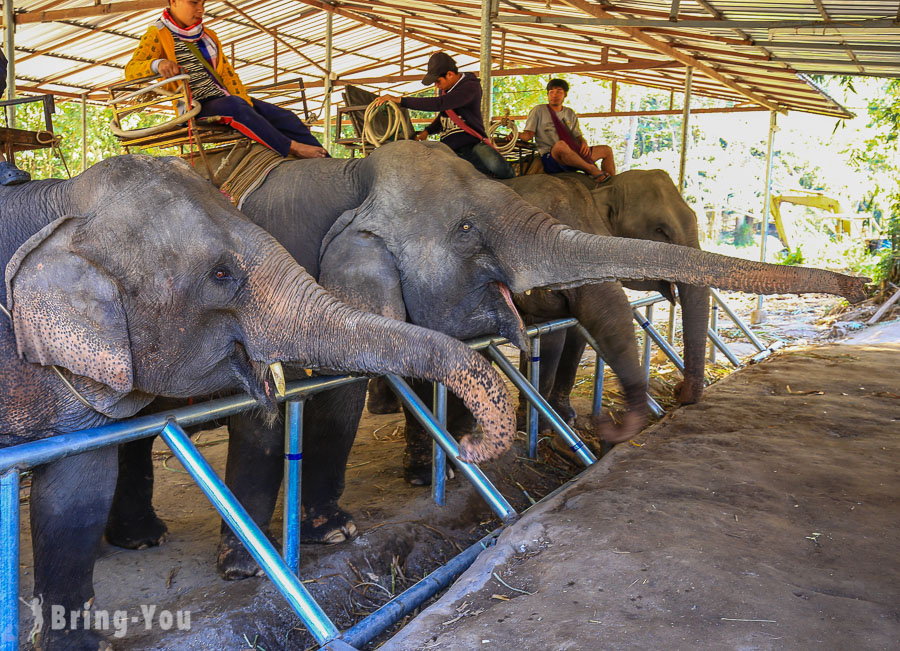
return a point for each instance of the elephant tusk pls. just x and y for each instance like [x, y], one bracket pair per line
[278, 376]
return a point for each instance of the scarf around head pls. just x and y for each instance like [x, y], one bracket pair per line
[193, 34]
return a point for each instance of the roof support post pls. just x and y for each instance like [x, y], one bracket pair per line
[10, 38]
[488, 9]
[759, 314]
[329, 51]
[685, 125]
[84, 131]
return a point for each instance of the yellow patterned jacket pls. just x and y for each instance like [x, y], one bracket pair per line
[158, 43]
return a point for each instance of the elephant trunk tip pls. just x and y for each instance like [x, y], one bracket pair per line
[853, 288]
[632, 423]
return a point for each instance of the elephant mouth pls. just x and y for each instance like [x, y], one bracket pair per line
[513, 329]
[254, 377]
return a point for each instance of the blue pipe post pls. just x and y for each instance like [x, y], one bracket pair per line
[473, 473]
[647, 339]
[721, 345]
[658, 339]
[534, 375]
[569, 436]
[9, 560]
[737, 320]
[438, 457]
[293, 469]
[256, 542]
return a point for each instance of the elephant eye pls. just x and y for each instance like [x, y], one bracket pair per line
[221, 273]
[465, 227]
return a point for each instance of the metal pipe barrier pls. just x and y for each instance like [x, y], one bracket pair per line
[439, 433]
[532, 420]
[15, 459]
[256, 542]
[438, 456]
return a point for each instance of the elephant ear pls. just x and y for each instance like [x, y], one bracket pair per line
[356, 266]
[67, 311]
[608, 200]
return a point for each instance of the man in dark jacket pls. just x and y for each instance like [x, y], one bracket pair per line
[459, 120]
[9, 173]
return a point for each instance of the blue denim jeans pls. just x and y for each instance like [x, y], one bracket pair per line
[486, 160]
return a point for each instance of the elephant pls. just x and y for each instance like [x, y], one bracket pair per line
[414, 232]
[640, 204]
[137, 279]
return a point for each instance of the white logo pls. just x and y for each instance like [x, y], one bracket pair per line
[102, 620]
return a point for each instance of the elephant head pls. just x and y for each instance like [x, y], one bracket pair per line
[445, 245]
[646, 205]
[148, 282]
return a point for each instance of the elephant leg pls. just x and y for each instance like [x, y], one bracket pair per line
[695, 321]
[331, 420]
[552, 345]
[566, 372]
[603, 309]
[133, 523]
[381, 399]
[70, 502]
[253, 472]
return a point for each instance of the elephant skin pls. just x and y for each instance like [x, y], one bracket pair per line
[136, 279]
[414, 231]
[638, 204]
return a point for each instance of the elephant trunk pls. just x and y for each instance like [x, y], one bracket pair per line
[328, 334]
[695, 319]
[555, 256]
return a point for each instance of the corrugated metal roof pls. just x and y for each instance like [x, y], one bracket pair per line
[746, 52]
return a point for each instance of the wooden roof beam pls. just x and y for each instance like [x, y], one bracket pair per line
[84, 12]
[667, 49]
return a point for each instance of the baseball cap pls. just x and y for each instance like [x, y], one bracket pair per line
[439, 64]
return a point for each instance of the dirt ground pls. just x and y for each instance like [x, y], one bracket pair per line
[764, 517]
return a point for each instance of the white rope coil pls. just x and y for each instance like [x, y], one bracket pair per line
[507, 147]
[395, 120]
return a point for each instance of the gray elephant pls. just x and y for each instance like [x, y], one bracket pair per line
[414, 232]
[640, 204]
[138, 279]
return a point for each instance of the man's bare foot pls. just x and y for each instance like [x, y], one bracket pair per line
[307, 151]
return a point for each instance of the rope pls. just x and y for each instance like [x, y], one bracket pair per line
[62, 377]
[395, 119]
[505, 149]
[250, 172]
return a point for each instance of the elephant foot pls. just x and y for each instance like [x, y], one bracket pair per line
[632, 423]
[234, 562]
[141, 533]
[381, 400]
[562, 406]
[327, 526]
[71, 640]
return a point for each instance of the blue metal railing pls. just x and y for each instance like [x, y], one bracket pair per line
[284, 572]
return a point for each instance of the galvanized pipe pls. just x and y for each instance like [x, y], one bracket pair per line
[256, 542]
[438, 457]
[759, 315]
[646, 356]
[473, 473]
[404, 603]
[293, 474]
[569, 436]
[84, 131]
[721, 345]
[326, 109]
[658, 339]
[737, 320]
[685, 124]
[36, 453]
[531, 417]
[9, 560]
[714, 327]
[9, 23]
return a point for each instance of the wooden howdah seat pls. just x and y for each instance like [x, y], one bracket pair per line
[184, 129]
[14, 140]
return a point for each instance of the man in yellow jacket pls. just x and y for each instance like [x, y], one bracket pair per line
[178, 42]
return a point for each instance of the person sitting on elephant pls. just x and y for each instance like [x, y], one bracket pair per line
[559, 140]
[179, 42]
[459, 120]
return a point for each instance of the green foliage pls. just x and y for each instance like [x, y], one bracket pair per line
[743, 235]
[789, 257]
